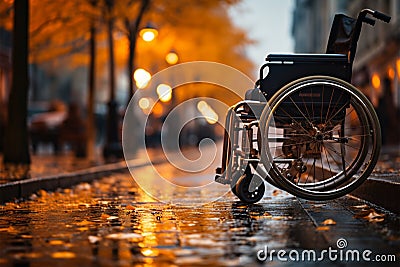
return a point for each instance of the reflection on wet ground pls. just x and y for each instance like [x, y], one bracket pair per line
[111, 222]
[47, 165]
[44, 165]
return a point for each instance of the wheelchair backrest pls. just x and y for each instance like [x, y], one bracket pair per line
[342, 38]
[337, 62]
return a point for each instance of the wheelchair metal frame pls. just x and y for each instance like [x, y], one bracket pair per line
[243, 155]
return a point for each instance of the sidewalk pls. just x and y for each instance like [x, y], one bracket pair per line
[383, 186]
[49, 172]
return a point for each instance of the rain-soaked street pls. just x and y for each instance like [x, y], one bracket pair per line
[112, 222]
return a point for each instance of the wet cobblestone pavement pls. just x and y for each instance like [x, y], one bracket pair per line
[111, 222]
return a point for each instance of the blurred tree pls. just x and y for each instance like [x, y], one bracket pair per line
[197, 30]
[56, 32]
[16, 145]
[130, 26]
[90, 123]
[112, 147]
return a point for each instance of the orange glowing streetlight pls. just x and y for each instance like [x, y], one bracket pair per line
[398, 67]
[142, 78]
[376, 81]
[148, 33]
[172, 58]
[390, 73]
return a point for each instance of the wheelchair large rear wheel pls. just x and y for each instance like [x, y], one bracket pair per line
[320, 138]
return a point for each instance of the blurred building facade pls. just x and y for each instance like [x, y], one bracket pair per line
[376, 69]
[311, 24]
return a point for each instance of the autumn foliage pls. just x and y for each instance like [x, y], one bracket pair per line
[66, 37]
[197, 30]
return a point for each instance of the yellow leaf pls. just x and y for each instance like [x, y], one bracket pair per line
[323, 228]
[373, 216]
[125, 236]
[63, 255]
[104, 216]
[83, 205]
[94, 239]
[9, 229]
[130, 207]
[56, 242]
[328, 222]
[84, 222]
[42, 193]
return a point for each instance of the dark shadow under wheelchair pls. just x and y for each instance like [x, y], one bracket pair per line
[304, 128]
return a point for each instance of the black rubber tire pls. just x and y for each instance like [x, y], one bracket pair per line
[247, 181]
[344, 186]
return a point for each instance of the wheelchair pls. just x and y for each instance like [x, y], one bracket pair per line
[304, 128]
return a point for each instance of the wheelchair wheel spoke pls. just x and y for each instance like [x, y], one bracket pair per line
[322, 144]
[337, 112]
[306, 107]
[294, 120]
[329, 106]
[327, 160]
[301, 112]
[335, 105]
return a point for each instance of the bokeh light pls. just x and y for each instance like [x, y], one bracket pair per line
[172, 58]
[208, 112]
[142, 78]
[164, 92]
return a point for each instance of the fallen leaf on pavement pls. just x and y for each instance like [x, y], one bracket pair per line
[63, 255]
[9, 229]
[84, 222]
[130, 207]
[94, 239]
[56, 242]
[104, 216]
[126, 236]
[323, 228]
[361, 206]
[83, 205]
[111, 218]
[371, 215]
[328, 222]
[276, 192]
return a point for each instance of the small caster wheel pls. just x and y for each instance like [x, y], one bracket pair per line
[235, 178]
[250, 188]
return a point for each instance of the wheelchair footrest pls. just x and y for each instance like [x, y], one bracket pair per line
[220, 178]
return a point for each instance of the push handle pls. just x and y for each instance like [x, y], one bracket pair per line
[369, 21]
[381, 16]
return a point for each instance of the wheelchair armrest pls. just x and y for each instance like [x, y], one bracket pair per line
[286, 58]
